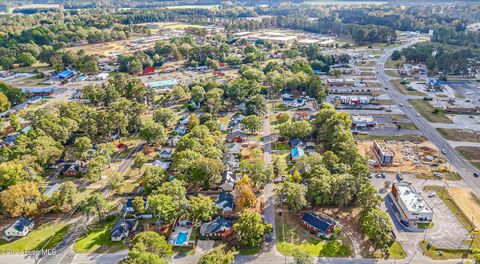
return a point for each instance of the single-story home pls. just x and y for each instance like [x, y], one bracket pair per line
[317, 224]
[296, 153]
[234, 148]
[225, 202]
[228, 181]
[166, 153]
[237, 136]
[72, 170]
[172, 141]
[20, 228]
[123, 228]
[219, 227]
[129, 208]
[181, 129]
[296, 142]
[162, 164]
[163, 86]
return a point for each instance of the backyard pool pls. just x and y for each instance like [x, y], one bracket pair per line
[181, 238]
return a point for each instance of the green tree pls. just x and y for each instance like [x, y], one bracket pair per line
[193, 121]
[295, 129]
[283, 117]
[94, 205]
[216, 256]
[197, 94]
[153, 178]
[4, 103]
[139, 205]
[295, 196]
[164, 116]
[152, 242]
[164, 206]
[136, 257]
[135, 67]
[64, 198]
[138, 160]
[153, 133]
[258, 170]
[252, 123]
[11, 173]
[201, 208]
[94, 168]
[81, 146]
[367, 197]
[26, 59]
[14, 121]
[250, 228]
[301, 257]
[376, 225]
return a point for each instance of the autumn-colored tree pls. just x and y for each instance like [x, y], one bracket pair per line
[244, 193]
[21, 199]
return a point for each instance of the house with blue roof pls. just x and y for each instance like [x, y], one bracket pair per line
[66, 74]
[218, 228]
[296, 153]
[434, 85]
[321, 226]
[225, 202]
[20, 228]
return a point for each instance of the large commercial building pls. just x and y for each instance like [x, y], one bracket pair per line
[412, 208]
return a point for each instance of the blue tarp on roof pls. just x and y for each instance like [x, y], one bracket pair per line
[296, 152]
[321, 224]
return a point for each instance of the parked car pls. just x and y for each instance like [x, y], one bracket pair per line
[432, 194]
[444, 151]
[476, 175]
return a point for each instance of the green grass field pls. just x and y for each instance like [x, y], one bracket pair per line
[403, 88]
[426, 110]
[449, 176]
[97, 241]
[433, 252]
[471, 154]
[459, 135]
[45, 236]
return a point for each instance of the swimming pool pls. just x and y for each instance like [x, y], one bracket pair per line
[181, 238]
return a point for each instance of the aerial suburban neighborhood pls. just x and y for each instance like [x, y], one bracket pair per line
[218, 132]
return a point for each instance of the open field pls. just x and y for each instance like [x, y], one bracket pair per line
[192, 7]
[400, 138]
[468, 202]
[45, 236]
[471, 154]
[393, 73]
[97, 240]
[426, 109]
[403, 88]
[453, 205]
[433, 252]
[459, 135]
[448, 175]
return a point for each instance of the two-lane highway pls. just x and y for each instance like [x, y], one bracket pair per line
[465, 169]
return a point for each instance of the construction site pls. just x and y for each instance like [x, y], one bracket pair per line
[403, 156]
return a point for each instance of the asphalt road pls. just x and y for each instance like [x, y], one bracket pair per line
[465, 169]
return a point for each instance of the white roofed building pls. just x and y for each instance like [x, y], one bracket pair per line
[412, 208]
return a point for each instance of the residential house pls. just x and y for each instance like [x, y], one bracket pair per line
[162, 164]
[123, 228]
[20, 228]
[218, 228]
[229, 179]
[173, 141]
[294, 103]
[296, 153]
[232, 162]
[234, 148]
[51, 189]
[237, 136]
[225, 202]
[75, 169]
[310, 147]
[130, 208]
[165, 154]
[297, 142]
[163, 85]
[181, 129]
[321, 226]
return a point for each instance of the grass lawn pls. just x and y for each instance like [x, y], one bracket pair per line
[403, 88]
[393, 73]
[383, 101]
[249, 250]
[291, 236]
[434, 253]
[447, 199]
[426, 110]
[425, 225]
[280, 146]
[407, 126]
[459, 134]
[97, 241]
[38, 238]
[471, 154]
[395, 251]
[393, 64]
[449, 176]
[282, 162]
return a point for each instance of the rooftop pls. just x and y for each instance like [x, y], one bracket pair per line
[411, 199]
[162, 83]
[383, 147]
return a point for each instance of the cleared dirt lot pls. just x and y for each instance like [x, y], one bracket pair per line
[409, 157]
[468, 203]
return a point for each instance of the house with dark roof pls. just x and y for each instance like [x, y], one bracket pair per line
[229, 179]
[218, 228]
[225, 202]
[237, 136]
[320, 226]
[296, 142]
[123, 228]
[20, 228]
[75, 169]
[129, 208]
